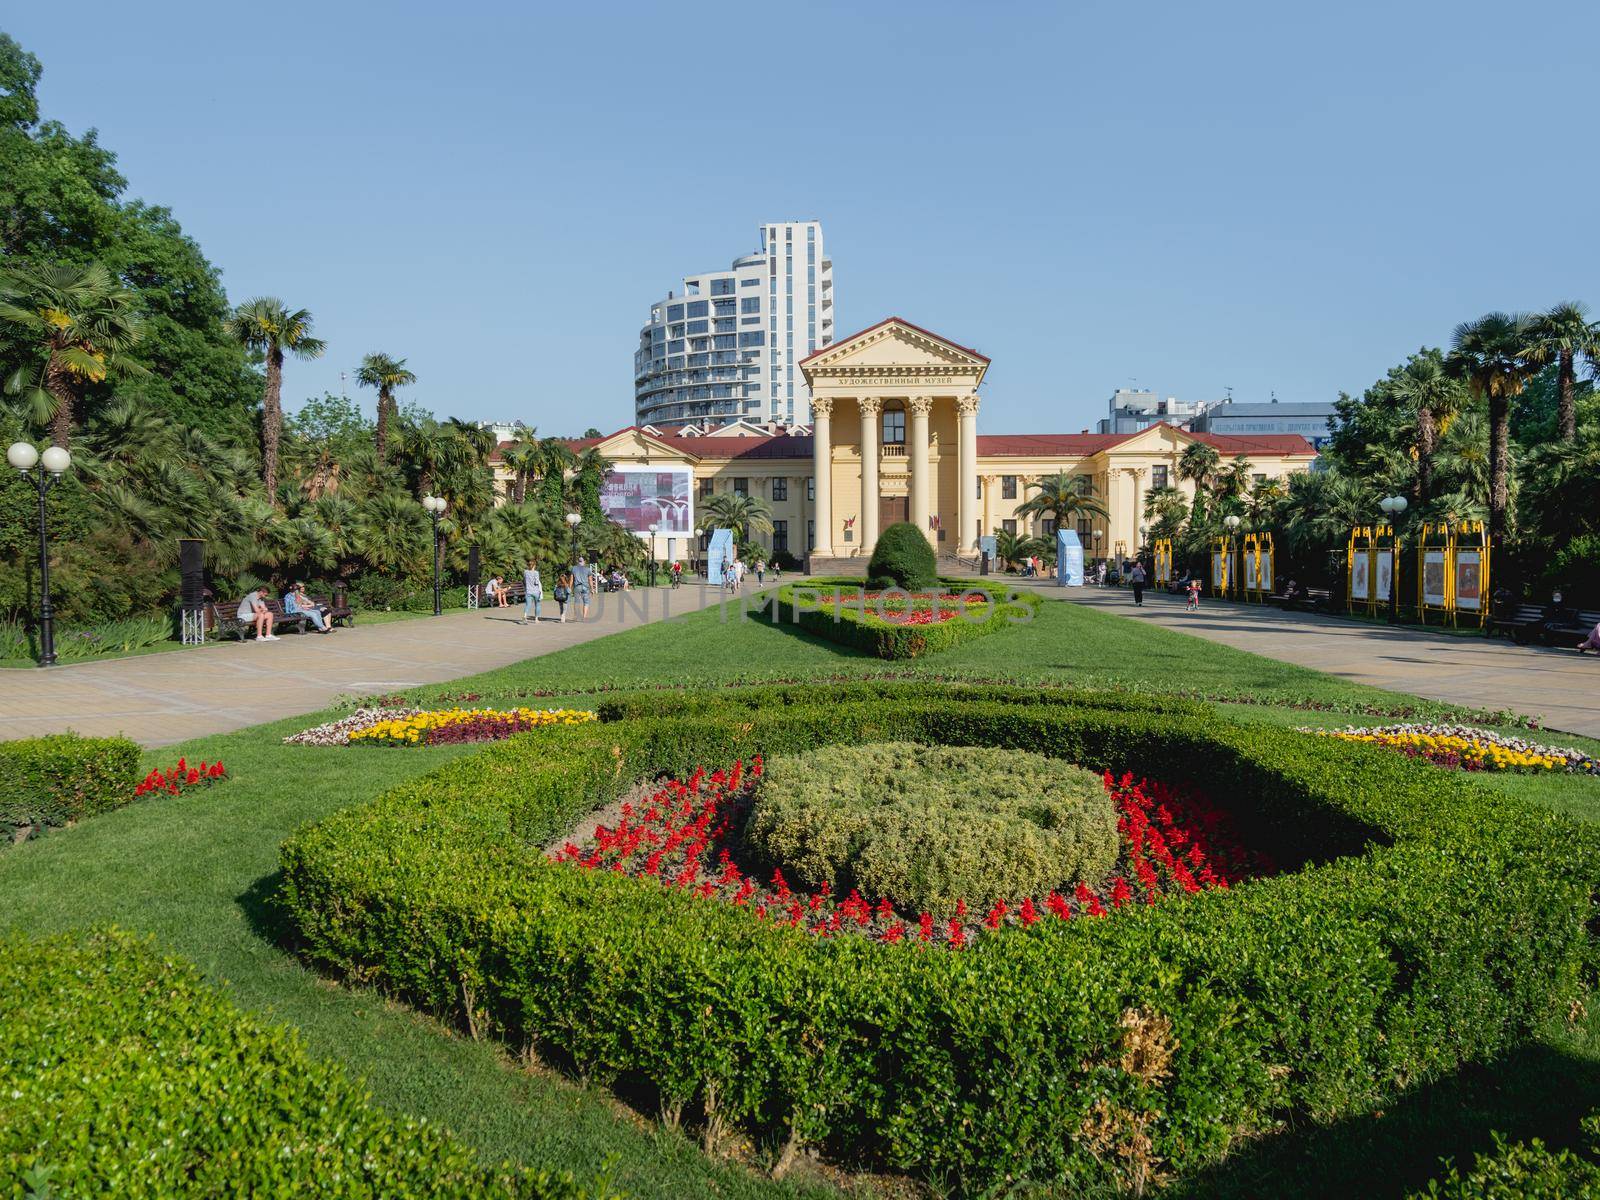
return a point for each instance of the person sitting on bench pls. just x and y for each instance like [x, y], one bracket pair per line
[1592, 642]
[295, 600]
[254, 608]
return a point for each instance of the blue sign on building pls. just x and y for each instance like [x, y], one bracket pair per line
[1069, 558]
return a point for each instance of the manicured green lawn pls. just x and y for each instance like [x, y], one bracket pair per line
[198, 872]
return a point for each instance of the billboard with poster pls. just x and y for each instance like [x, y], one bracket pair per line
[1469, 579]
[1433, 594]
[1359, 589]
[639, 497]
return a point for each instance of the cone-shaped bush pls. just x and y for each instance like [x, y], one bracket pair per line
[902, 558]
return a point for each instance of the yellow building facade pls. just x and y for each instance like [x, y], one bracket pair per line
[895, 436]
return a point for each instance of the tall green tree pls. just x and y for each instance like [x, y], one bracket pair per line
[80, 324]
[1496, 355]
[266, 326]
[522, 458]
[1563, 335]
[384, 373]
[1435, 399]
[733, 510]
[1060, 498]
[61, 202]
[1199, 464]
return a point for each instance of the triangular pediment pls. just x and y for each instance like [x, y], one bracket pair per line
[894, 343]
[1159, 438]
[635, 443]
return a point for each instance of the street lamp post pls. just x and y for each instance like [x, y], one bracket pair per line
[653, 527]
[435, 506]
[42, 471]
[1394, 508]
[572, 523]
[698, 534]
[1232, 522]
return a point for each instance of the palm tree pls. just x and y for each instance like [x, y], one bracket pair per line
[522, 458]
[1559, 336]
[555, 460]
[736, 511]
[1198, 464]
[431, 449]
[83, 322]
[384, 373]
[1435, 398]
[1496, 355]
[265, 325]
[1012, 548]
[1262, 506]
[1060, 498]
[1232, 482]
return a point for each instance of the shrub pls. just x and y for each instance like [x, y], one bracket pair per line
[62, 777]
[902, 558]
[929, 825]
[128, 1076]
[1526, 1171]
[1431, 923]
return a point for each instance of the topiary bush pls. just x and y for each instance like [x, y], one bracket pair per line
[1431, 923]
[929, 825]
[126, 1075]
[902, 558]
[63, 777]
[827, 612]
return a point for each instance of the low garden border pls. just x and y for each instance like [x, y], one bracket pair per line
[808, 606]
[129, 1076]
[61, 778]
[1432, 922]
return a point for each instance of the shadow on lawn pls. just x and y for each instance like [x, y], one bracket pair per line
[1537, 1091]
[263, 910]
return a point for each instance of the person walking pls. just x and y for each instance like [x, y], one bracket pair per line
[582, 579]
[532, 591]
[1136, 578]
[761, 571]
[563, 592]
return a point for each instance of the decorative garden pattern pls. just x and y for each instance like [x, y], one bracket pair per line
[1466, 748]
[436, 727]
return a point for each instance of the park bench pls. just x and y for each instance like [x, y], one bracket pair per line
[225, 619]
[1519, 622]
[1305, 600]
[339, 609]
[1571, 630]
[513, 593]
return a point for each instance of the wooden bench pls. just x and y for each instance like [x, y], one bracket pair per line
[1568, 632]
[511, 590]
[338, 610]
[1304, 600]
[1519, 622]
[281, 620]
[226, 621]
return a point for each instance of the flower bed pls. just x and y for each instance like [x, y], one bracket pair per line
[1419, 922]
[181, 777]
[1466, 748]
[434, 727]
[895, 624]
[685, 834]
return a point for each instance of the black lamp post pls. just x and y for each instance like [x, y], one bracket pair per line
[42, 471]
[435, 506]
[695, 557]
[1394, 508]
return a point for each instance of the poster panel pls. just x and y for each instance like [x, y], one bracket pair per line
[1433, 578]
[1265, 574]
[1384, 561]
[1358, 575]
[1250, 582]
[637, 498]
[1469, 579]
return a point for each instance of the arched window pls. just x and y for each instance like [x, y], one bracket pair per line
[894, 424]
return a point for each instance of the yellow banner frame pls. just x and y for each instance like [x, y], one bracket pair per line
[1163, 555]
[1222, 552]
[1257, 555]
[1361, 566]
[1470, 594]
[1436, 591]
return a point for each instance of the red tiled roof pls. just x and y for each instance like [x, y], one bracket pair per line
[837, 342]
[1042, 445]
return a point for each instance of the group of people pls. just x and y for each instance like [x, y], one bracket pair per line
[255, 609]
[574, 585]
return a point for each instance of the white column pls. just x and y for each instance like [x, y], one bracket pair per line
[967, 473]
[822, 473]
[920, 406]
[871, 407]
[988, 504]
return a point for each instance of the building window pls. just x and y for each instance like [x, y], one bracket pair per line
[811, 535]
[674, 312]
[780, 488]
[1008, 490]
[1084, 530]
[750, 304]
[1259, 478]
[1009, 526]
[811, 487]
[780, 537]
[1158, 477]
[1084, 484]
[707, 486]
[698, 308]
[979, 489]
[894, 427]
[741, 485]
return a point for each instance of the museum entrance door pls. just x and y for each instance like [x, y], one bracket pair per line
[892, 509]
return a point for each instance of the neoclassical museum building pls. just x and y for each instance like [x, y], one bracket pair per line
[894, 437]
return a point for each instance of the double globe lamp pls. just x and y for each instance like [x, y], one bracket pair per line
[435, 506]
[1394, 508]
[51, 465]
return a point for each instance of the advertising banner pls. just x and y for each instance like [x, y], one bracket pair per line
[1069, 558]
[1359, 584]
[638, 497]
[1433, 578]
[718, 552]
[1385, 564]
[1469, 579]
[1218, 567]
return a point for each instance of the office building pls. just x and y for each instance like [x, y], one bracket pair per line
[1314, 421]
[1132, 410]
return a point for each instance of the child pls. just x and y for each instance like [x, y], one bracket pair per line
[1193, 604]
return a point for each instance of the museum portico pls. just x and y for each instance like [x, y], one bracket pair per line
[895, 437]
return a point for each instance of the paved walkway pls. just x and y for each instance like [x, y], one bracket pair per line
[1560, 686]
[157, 699]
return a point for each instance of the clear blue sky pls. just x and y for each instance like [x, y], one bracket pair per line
[1195, 196]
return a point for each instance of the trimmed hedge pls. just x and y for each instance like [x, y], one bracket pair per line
[126, 1075]
[62, 777]
[1526, 1171]
[860, 628]
[1436, 923]
[903, 557]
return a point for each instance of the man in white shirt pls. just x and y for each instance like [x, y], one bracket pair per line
[254, 608]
